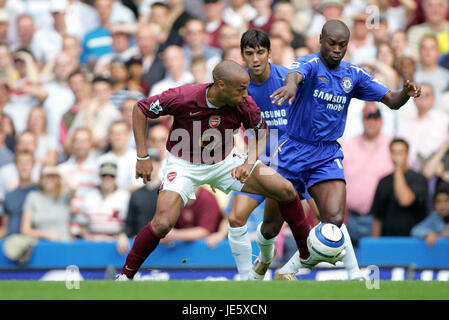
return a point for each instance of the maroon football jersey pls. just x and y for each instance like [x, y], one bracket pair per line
[201, 134]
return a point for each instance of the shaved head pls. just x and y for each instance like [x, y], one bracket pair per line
[334, 28]
[227, 70]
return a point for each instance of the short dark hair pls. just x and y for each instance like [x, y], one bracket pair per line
[399, 140]
[254, 38]
[442, 187]
[102, 79]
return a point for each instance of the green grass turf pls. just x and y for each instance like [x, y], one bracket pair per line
[224, 290]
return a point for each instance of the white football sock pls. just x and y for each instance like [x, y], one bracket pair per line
[266, 246]
[293, 265]
[241, 249]
[350, 259]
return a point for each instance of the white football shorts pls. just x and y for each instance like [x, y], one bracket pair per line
[183, 176]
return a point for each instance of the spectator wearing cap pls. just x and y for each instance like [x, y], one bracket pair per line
[46, 211]
[366, 161]
[426, 132]
[329, 10]
[123, 51]
[104, 209]
[400, 201]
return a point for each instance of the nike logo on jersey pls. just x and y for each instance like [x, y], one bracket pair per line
[194, 113]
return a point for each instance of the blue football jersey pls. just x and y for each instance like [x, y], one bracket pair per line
[275, 116]
[321, 104]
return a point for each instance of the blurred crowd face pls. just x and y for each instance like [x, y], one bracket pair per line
[435, 11]
[282, 29]
[195, 35]
[104, 9]
[428, 52]
[71, 45]
[24, 164]
[173, 59]
[160, 15]
[5, 58]
[237, 4]
[25, 29]
[102, 91]
[127, 110]
[146, 40]
[398, 42]
[229, 37]
[213, 10]
[442, 204]
[407, 67]
[81, 144]
[372, 126]
[27, 141]
[119, 135]
[120, 41]
[284, 11]
[260, 5]
[234, 54]
[64, 66]
[37, 121]
[399, 153]
[385, 54]
[425, 101]
[50, 182]
[332, 12]
[157, 138]
[79, 85]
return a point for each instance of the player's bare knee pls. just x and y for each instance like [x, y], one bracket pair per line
[287, 192]
[269, 230]
[235, 220]
[336, 218]
[162, 226]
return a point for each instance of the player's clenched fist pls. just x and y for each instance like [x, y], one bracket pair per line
[242, 172]
[144, 169]
[412, 89]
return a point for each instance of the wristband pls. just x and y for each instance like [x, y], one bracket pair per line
[146, 157]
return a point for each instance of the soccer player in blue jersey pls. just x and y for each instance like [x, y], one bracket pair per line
[265, 78]
[319, 91]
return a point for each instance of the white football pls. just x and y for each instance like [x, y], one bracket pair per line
[325, 241]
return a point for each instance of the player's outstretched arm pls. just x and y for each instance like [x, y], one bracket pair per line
[288, 91]
[143, 167]
[395, 100]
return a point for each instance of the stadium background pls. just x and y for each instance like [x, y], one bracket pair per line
[72, 35]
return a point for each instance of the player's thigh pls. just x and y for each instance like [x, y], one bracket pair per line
[242, 206]
[267, 182]
[330, 198]
[169, 206]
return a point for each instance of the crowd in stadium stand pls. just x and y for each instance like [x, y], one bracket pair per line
[71, 72]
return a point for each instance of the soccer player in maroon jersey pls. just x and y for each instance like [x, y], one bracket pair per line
[200, 151]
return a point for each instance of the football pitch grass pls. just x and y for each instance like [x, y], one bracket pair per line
[224, 290]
